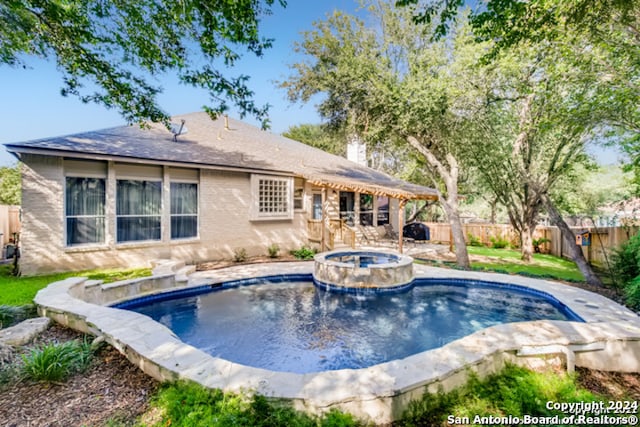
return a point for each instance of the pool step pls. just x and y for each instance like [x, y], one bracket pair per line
[182, 274]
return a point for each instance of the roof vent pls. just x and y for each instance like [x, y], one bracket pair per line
[178, 129]
[226, 122]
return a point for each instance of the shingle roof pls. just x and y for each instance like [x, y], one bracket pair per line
[209, 144]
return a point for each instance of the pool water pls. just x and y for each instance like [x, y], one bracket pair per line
[363, 260]
[296, 327]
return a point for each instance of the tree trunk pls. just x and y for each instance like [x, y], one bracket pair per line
[457, 232]
[494, 206]
[418, 211]
[575, 252]
[526, 242]
[450, 203]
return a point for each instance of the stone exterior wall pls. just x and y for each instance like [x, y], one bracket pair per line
[224, 223]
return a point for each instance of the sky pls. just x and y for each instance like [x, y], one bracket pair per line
[32, 107]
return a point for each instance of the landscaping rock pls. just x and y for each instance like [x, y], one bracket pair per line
[24, 332]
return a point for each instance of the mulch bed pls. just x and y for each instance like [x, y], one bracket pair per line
[111, 389]
[617, 385]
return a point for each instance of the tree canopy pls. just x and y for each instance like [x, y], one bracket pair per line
[120, 46]
[10, 185]
[609, 34]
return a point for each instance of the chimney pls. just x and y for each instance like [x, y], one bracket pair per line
[357, 150]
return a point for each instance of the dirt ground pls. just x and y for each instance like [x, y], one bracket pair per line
[113, 389]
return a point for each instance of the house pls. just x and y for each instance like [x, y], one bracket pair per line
[126, 195]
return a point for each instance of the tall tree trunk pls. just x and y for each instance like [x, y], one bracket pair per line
[526, 242]
[494, 207]
[450, 203]
[457, 232]
[570, 243]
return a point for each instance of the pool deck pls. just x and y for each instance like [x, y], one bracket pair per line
[608, 340]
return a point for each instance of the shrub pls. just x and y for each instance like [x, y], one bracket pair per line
[626, 260]
[8, 374]
[499, 242]
[304, 253]
[515, 391]
[11, 314]
[273, 250]
[539, 242]
[474, 240]
[632, 293]
[240, 255]
[55, 362]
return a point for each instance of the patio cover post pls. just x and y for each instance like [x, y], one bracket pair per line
[401, 206]
[323, 239]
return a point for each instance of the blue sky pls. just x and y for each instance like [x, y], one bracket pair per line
[31, 106]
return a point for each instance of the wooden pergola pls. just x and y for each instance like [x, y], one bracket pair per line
[403, 195]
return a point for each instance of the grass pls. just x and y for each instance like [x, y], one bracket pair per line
[191, 405]
[22, 290]
[542, 265]
[514, 391]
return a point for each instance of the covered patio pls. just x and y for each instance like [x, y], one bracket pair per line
[349, 213]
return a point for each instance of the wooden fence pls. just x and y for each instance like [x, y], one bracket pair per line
[9, 223]
[603, 239]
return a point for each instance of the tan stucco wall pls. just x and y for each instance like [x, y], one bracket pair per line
[224, 212]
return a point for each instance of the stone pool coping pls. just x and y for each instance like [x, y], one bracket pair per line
[609, 340]
[332, 274]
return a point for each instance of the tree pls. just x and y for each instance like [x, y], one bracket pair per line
[319, 136]
[610, 30]
[391, 81]
[548, 112]
[10, 185]
[119, 46]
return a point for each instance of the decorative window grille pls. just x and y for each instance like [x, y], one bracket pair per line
[272, 197]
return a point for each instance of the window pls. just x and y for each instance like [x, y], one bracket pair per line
[317, 206]
[272, 197]
[298, 194]
[383, 210]
[184, 210]
[366, 209]
[138, 210]
[85, 210]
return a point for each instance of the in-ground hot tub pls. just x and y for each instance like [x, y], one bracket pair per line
[363, 270]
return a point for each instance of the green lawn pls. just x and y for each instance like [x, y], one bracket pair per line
[22, 290]
[507, 260]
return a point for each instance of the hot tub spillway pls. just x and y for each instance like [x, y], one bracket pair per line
[363, 271]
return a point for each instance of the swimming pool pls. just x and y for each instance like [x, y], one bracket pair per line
[608, 339]
[294, 326]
